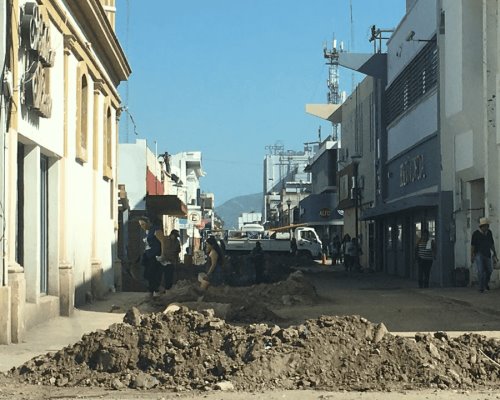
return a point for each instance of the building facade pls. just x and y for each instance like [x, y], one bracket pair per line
[187, 168]
[285, 184]
[319, 208]
[468, 105]
[64, 64]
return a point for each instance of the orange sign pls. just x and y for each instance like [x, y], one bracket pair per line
[325, 212]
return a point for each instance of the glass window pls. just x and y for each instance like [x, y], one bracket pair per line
[389, 237]
[431, 227]
[399, 236]
[418, 230]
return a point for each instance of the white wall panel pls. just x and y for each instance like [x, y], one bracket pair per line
[415, 125]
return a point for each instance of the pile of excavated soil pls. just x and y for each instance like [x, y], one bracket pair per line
[185, 350]
[245, 304]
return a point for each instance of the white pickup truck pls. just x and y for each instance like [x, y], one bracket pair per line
[308, 243]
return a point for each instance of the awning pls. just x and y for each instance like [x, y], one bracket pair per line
[329, 112]
[332, 222]
[167, 204]
[420, 201]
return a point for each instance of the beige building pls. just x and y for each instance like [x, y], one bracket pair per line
[63, 66]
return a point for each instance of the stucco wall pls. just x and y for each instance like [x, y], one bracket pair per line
[132, 172]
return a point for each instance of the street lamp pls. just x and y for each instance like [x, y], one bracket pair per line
[289, 203]
[355, 193]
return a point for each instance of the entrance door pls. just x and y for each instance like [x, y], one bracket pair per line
[44, 224]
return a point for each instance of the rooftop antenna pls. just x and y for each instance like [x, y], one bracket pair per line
[333, 95]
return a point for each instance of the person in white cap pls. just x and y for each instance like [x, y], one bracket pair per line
[482, 252]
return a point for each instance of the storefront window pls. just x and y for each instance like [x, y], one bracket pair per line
[418, 230]
[400, 236]
[431, 227]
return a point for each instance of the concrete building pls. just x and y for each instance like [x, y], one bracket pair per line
[5, 292]
[150, 190]
[319, 208]
[187, 167]
[60, 159]
[249, 218]
[416, 194]
[468, 108]
[285, 182]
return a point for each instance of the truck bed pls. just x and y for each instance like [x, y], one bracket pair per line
[268, 245]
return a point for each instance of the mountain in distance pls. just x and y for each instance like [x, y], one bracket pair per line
[233, 208]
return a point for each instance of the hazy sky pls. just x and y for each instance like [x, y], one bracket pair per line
[230, 77]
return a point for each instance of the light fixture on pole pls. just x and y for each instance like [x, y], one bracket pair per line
[289, 203]
[355, 192]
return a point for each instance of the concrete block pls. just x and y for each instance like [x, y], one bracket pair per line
[17, 283]
[66, 290]
[5, 315]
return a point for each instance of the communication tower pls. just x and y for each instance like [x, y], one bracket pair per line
[333, 95]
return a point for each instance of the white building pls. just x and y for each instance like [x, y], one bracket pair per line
[284, 176]
[468, 106]
[59, 160]
[249, 218]
[187, 168]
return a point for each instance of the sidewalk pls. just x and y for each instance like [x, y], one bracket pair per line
[59, 332]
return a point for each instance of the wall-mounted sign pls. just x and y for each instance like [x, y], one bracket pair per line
[411, 170]
[194, 217]
[35, 36]
[325, 212]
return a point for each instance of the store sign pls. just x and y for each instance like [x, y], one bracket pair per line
[325, 212]
[411, 170]
[35, 37]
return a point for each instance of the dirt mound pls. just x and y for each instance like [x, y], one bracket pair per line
[185, 350]
[246, 304]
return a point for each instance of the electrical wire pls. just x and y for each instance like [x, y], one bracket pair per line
[125, 109]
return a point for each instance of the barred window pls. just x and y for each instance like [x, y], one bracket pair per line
[418, 78]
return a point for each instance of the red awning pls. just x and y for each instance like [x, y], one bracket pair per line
[166, 204]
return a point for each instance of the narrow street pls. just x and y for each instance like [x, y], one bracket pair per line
[377, 297]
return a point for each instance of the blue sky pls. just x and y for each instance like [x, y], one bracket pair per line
[229, 77]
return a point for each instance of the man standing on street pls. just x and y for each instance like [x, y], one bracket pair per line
[482, 250]
[170, 256]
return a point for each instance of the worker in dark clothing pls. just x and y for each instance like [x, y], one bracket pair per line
[258, 260]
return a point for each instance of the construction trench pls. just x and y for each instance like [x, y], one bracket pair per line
[228, 338]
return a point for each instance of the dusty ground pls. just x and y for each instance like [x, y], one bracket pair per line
[188, 354]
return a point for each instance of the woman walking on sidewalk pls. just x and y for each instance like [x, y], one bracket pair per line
[425, 253]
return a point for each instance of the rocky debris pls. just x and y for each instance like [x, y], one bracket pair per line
[133, 317]
[186, 350]
[241, 304]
